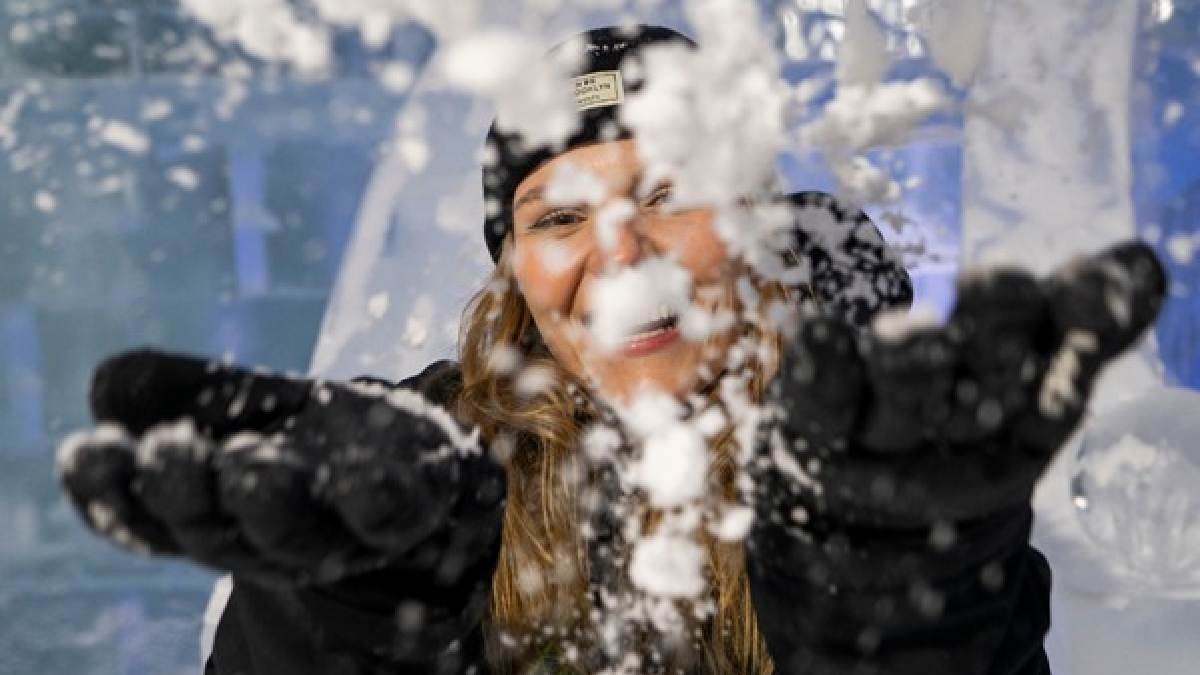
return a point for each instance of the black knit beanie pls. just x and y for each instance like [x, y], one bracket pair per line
[600, 88]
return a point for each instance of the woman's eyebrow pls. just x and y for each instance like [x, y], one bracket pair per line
[530, 195]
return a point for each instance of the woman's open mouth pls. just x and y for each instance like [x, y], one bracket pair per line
[653, 335]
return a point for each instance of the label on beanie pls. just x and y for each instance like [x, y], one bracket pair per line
[601, 88]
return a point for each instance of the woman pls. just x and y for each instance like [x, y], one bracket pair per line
[368, 531]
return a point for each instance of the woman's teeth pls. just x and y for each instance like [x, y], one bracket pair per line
[665, 321]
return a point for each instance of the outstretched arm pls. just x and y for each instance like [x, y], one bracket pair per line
[893, 496]
[360, 521]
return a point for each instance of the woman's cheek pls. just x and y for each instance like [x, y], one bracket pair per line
[701, 250]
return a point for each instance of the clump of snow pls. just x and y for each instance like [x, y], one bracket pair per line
[415, 151]
[66, 456]
[635, 295]
[673, 466]
[711, 119]
[601, 443]
[184, 177]
[1182, 246]
[532, 92]
[125, 136]
[156, 109]
[861, 117]
[609, 219]
[397, 76]
[571, 184]
[1058, 386]
[267, 29]
[417, 324]
[179, 434]
[45, 201]
[734, 524]
[534, 380]
[377, 304]
[1172, 113]
[668, 565]
[894, 325]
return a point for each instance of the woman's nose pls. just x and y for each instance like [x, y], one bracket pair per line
[619, 242]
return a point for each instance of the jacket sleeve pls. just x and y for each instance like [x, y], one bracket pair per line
[422, 615]
[832, 598]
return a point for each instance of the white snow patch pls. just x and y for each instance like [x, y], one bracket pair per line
[420, 318]
[734, 524]
[534, 380]
[397, 76]
[45, 201]
[894, 325]
[378, 304]
[124, 136]
[170, 434]
[571, 184]
[1182, 247]
[632, 296]
[156, 109]
[668, 565]
[1172, 113]
[673, 466]
[183, 176]
[66, 456]
[413, 402]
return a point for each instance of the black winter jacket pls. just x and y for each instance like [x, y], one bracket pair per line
[849, 608]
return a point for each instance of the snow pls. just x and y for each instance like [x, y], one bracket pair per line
[673, 466]
[534, 380]
[896, 325]
[1182, 247]
[66, 456]
[571, 184]
[634, 295]
[1172, 113]
[397, 76]
[184, 177]
[123, 135]
[179, 434]
[45, 201]
[531, 93]
[668, 565]
[864, 116]
[377, 305]
[1059, 383]
[464, 442]
[1017, 167]
[734, 524]
[156, 109]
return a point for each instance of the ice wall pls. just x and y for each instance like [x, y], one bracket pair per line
[1047, 175]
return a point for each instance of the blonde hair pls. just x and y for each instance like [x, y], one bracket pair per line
[540, 586]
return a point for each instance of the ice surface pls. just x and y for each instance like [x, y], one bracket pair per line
[1136, 486]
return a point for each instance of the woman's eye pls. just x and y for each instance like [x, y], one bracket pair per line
[558, 218]
[659, 196]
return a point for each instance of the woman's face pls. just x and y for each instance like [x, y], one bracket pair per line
[562, 253]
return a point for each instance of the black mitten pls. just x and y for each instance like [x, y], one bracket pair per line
[893, 498]
[279, 480]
